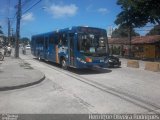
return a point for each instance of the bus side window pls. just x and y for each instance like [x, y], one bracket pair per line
[79, 43]
[51, 39]
[64, 39]
[46, 42]
[71, 37]
[60, 40]
[56, 39]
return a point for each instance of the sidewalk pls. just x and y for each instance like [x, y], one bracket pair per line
[16, 73]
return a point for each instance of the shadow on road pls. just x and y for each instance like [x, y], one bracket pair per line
[80, 71]
[114, 67]
[89, 71]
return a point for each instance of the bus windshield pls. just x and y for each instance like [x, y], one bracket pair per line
[92, 44]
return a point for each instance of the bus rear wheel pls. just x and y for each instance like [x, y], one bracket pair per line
[63, 64]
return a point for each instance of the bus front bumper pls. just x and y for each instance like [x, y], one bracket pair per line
[91, 65]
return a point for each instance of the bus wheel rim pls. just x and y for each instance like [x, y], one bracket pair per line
[64, 64]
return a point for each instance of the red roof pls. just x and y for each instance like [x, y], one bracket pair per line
[118, 41]
[136, 40]
[146, 39]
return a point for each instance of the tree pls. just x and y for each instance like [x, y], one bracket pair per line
[149, 9]
[122, 32]
[137, 13]
[1, 32]
[25, 40]
[154, 31]
[127, 19]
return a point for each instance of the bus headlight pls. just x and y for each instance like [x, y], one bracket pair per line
[88, 59]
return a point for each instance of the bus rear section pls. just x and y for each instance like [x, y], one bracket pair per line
[78, 47]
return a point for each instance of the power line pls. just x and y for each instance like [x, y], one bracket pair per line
[22, 5]
[9, 7]
[19, 15]
[32, 6]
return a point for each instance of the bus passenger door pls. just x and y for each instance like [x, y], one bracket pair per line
[71, 49]
[46, 47]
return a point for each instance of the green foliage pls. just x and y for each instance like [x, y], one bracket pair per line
[1, 32]
[154, 31]
[150, 9]
[122, 32]
[137, 13]
[25, 40]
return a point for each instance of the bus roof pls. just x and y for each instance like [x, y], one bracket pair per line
[72, 29]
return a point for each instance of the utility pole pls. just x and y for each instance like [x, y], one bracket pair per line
[18, 29]
[11, 39]
[9, 28]
[130, 41]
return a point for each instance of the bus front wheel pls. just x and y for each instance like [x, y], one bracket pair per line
[63, 64]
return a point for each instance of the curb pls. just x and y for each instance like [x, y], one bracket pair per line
[152, 66]
[133, 63]
[146, 65]
[22, 86]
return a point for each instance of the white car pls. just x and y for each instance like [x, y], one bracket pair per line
[28, 47]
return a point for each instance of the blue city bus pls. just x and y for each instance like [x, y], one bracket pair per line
[77, 47]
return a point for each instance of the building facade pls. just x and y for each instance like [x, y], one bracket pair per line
[142, 47]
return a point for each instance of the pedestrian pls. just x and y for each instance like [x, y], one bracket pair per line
[24, 49]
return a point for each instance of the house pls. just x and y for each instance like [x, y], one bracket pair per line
[142, 47]
[147, 47]
[119, 46]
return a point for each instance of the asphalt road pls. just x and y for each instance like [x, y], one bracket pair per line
[117, 90]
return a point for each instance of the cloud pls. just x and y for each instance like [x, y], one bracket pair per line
[89, 8]
[60, 11]
[28, 17]
[103, 11]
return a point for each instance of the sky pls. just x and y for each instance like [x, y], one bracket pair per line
[50, 15]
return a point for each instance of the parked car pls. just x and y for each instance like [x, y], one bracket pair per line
[114, 61]
[28, 47]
